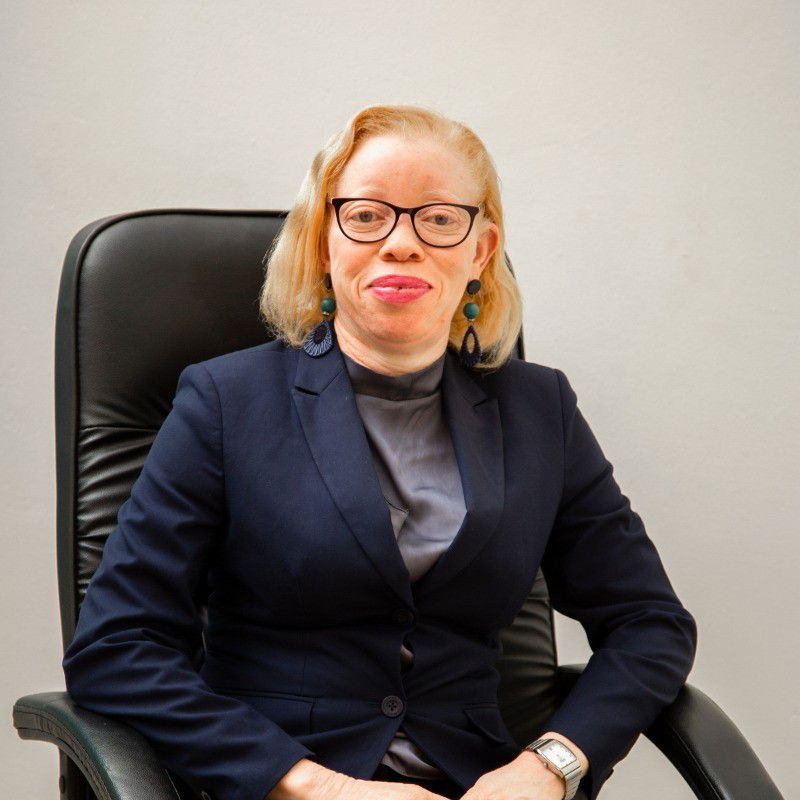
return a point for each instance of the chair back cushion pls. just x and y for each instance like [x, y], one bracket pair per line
[142, 295]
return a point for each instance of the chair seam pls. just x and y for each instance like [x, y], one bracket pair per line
[676, 735]
[75, 743]
[118, 428]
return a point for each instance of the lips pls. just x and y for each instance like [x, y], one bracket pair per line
[399, 289]
[400, 282]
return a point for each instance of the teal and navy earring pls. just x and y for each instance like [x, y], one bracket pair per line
[320, 340]
[470, 359]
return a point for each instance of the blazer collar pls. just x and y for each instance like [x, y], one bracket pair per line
[325, 402]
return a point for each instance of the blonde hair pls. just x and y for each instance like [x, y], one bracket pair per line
[294, 287]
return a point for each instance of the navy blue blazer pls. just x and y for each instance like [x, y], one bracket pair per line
[261, 481]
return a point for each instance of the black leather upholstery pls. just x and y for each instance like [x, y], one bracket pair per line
[118, 761]
[142, 295]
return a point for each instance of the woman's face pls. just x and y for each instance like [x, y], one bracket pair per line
[407, 174]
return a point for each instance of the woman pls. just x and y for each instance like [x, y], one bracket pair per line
[371, 495]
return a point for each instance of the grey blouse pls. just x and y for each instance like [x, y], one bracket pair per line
[413, 455]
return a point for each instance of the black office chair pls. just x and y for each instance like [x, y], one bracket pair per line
[141, 296]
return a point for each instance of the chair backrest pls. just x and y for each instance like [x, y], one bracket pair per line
[142, 295]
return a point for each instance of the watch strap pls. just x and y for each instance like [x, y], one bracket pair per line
[571, 774]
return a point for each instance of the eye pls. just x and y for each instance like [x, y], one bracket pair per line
[360, 214]
[438, 218]
[444, 218]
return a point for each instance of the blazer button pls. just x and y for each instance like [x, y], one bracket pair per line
[403, 616]
[392, 705]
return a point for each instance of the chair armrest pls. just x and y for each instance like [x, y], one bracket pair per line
[117, 761]
[703, 744]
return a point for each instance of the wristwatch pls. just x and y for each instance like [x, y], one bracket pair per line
[558, 758]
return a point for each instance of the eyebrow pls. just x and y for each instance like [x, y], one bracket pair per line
[365, 191]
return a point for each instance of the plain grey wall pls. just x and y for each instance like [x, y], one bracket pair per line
[648, 153]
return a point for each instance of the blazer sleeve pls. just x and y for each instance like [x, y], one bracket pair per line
[130, 657]
[603, 570]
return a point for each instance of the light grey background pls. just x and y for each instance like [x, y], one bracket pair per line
[648, 153]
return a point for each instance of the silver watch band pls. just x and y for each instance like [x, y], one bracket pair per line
[572, 773]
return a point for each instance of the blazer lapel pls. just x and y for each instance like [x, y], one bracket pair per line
[473, 418]
[325, 403]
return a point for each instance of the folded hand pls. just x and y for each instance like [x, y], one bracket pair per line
[524, 778]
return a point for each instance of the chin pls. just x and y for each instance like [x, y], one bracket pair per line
[397, 330]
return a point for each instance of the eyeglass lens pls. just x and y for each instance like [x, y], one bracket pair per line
[371, 220]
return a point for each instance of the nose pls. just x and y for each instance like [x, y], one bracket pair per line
[402, 243]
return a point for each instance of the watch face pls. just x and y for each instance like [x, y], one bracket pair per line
[560, 755]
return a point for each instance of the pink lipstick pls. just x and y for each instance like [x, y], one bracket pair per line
[398, 288]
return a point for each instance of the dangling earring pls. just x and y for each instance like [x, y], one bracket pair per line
[470, 359]
[320, 340]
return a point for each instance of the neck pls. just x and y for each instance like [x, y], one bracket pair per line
[396, 358]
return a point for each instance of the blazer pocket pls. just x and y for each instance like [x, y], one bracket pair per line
[292, 712]
[487, 718]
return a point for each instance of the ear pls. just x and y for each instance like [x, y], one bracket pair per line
[488, 239]
[324, 255]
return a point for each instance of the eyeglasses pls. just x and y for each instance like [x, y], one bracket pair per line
[437, 224]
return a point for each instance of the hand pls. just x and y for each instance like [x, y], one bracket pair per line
[524, 778]
[307, 780]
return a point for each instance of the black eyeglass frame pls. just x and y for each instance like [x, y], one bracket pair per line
[338, 202]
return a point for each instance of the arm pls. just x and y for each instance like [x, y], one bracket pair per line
[603, 570]
[130, 657]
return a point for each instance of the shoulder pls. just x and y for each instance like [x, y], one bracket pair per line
[517, 369]
[524, 386]
[516, 375]
[262, 364]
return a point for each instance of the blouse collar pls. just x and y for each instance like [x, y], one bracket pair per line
[406, 386]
